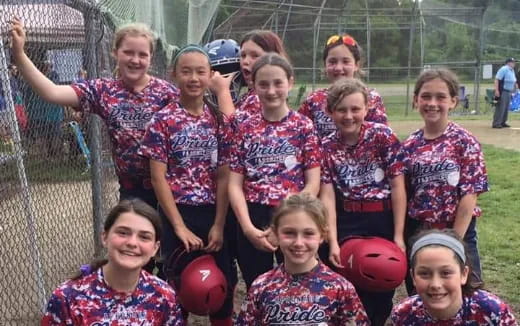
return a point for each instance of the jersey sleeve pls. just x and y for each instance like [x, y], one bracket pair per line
[392, 153]
[88, 92]
[311, 147]
[473, 175]
[326, 164]
[376, 108]
[155, 140]
[400, 312]
[506, 317]
[57, 312]
[225, 141]
[236, 161]
[305, 109]
[175, 316]
[351, 309]
[249, 314]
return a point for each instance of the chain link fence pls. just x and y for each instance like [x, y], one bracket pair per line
[54, 194]
[54, 189]
[398, 43]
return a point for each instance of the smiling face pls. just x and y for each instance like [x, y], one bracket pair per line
[340, 62]
[249, 53]
[272, 87]
[438, 279]
[192, 74]
[133, 58]
[434, 102]
[299, 239]
[349, 114]
[130, 242]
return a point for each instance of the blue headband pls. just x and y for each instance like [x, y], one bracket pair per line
[190, 48]
[440, 240]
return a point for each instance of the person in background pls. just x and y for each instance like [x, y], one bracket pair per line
[275, 154]
[505, 84]
[342, 57]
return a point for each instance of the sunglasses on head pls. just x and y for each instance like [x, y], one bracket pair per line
[345, 39]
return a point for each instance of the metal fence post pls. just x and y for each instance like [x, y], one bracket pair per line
[91, 19]
[410, 53]
[32, 230]
[478, 65]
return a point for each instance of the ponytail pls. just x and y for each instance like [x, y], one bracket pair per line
[89, 268]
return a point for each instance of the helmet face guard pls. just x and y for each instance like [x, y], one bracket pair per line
[373, 264]
[224, 57]
[200, 284]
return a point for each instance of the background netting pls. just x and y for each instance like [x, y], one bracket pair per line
[53, 198]
[399, 41]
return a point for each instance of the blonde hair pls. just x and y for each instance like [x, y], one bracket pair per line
[302, 202]
[344, 87]
[134, 30]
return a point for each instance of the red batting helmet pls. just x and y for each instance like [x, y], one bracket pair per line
[373, 264]
[200, 284]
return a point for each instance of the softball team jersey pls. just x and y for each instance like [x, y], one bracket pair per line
[126, 115]
[362, 171]
[249, 104]
[189, 146]
[315, 108]
[273, 156]
[480, 309]
[441, 171]
[319, 297]
[90, 301]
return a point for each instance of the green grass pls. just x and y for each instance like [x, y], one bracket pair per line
[499, 242]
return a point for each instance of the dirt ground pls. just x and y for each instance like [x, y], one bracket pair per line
[505, 138]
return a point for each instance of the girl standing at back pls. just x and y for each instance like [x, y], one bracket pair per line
[342, 59]
[255, 44]
[183, 145]
[117, 291]
[302, 290]
[447, 292]
[444, 165]
[126, 104]
[363, 185]
[275, 153]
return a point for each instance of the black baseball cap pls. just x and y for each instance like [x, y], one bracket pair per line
[508, 60]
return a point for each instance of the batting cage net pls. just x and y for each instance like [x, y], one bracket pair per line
[57, 179]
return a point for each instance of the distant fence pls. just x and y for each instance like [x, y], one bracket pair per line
[52, 198]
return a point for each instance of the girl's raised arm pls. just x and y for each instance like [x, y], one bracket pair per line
[43, 86]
